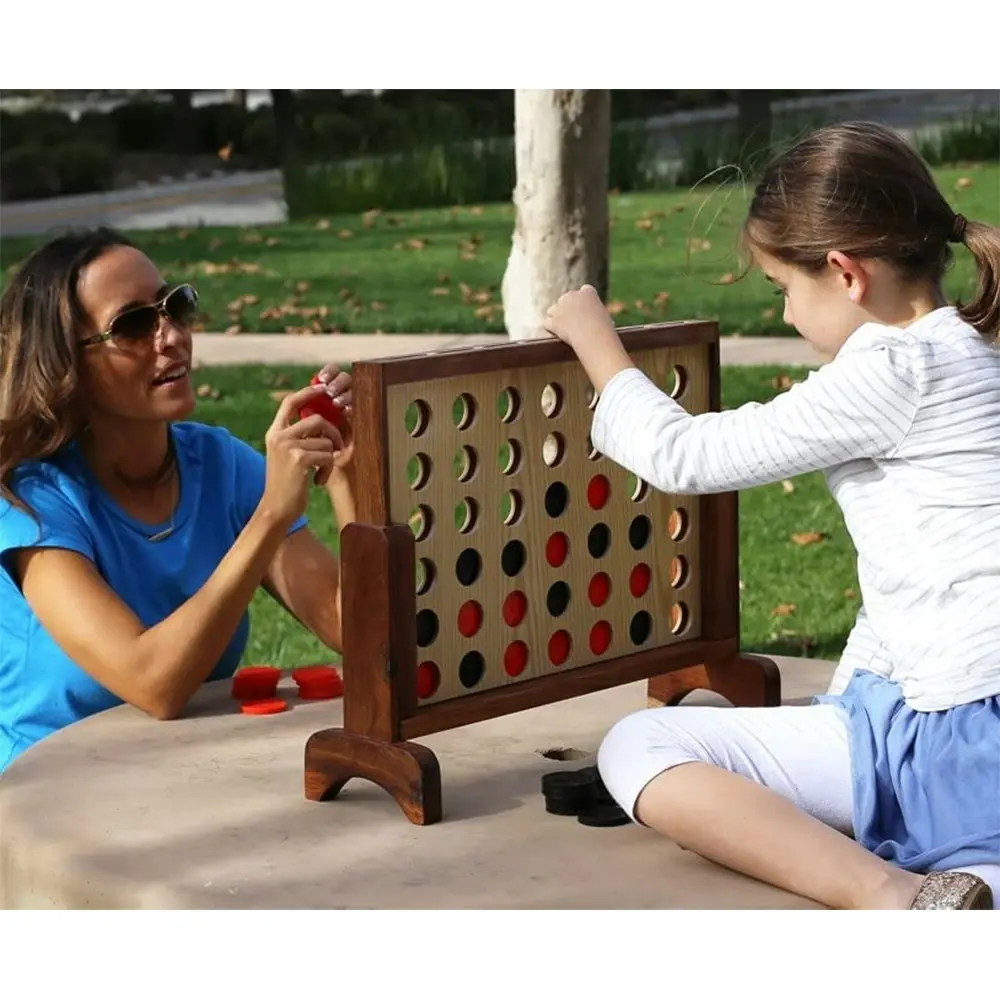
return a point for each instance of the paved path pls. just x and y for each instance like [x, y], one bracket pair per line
[263, 348]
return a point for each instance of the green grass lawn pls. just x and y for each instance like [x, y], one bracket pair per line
[440, 271]
[797, 599]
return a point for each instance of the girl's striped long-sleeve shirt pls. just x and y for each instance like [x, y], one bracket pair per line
[905, 425]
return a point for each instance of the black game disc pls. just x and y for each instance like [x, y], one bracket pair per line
[604, 815]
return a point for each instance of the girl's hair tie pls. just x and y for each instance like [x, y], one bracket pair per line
[958, 229]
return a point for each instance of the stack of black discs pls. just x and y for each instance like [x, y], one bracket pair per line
[581, 793]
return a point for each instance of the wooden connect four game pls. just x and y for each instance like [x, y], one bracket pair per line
[499, 562]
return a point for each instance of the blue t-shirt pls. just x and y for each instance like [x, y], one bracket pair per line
[222, 481]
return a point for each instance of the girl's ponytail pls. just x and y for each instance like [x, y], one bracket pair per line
[983, 242]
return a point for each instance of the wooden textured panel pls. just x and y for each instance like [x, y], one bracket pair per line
[438, 446]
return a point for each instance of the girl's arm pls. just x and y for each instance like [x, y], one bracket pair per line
[860, 406]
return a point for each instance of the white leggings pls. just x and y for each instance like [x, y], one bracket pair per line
[800, 752]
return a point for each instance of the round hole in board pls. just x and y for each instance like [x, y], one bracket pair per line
[511, 507]
[509, 457]
[515, 658]
[553, 449]
[598, 540]
[515, 607]
[417, 417]
[598, 492]
[639, 531]
[559, 647]
[426, 573]
[552, 399]
[637, 489]
[509, 405]
[680, 618]
[556, 549]
[427, 627]
[677, 381]
[468, 566]
[421, 522]
[418, 471]
[600, 638]
[557, 599]
[471, 669]
[466, 515]
[513, 557]
[470, 618]
[677, 524]
[679, 571]
[592, 397]
[556, 499]
[599, 589]
[428, 679]
[465, 463]
[639, 627]
[463, 411]
[638, 580]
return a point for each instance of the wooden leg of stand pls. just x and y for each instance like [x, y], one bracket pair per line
[410, 773]
[745, 681]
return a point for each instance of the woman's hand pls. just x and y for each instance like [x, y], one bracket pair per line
[338, 386]
[299, 452]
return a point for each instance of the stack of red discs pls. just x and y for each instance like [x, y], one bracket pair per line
[255, 688]
[317, 683]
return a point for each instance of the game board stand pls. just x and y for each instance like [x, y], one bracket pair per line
[383, 714]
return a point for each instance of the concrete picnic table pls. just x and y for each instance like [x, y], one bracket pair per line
[208, 811]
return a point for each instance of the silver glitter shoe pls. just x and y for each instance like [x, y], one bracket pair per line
[953, 891]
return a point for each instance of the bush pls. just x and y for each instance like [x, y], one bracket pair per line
[83, 167]
[143, 126]
[974, 140]
[27, 172]
[31, 171]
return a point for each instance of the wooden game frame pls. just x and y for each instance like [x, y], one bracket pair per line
[380, 654]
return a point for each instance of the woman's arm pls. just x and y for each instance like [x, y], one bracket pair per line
[156, 669]
[304, 576]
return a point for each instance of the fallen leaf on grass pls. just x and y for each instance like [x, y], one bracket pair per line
[279, 394]
[302, 287]
[468, 255]
[767, 314]
[476, 210]
[234, 329]
[964, 182]
[782, 381]
[271, 241]
[808, 537]
[417, 243]
[368, 219]
[376, 306]
[440, 291]
[784, 610]
[616, 308]
[850, 593]
[727, 279]
[203, 391]
[345, 234]
[444, 278]
[323, 224]
[788, 486]
[661, 298]
[643, 223]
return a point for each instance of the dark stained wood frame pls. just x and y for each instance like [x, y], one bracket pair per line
[381, 714]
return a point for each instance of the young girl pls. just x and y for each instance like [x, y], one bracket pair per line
[132, 539]
[904, 751]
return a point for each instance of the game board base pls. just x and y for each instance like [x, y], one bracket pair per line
[409, 772]
[747, 680]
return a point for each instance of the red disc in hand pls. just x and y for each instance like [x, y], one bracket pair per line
[324, 406]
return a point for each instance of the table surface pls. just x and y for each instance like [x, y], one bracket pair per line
[208, 811]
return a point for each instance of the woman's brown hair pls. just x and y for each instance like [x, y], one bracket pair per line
[41, 321]
[860, 188]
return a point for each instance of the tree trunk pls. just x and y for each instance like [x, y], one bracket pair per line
[754, 124]
[283, 109]
[562, 140]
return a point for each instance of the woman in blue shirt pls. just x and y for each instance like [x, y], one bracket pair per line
[131, 539]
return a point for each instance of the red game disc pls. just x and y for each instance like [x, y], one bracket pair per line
[600, 638]
[556, 549]
[255, 683]
[515, 658]
[598, 491]
[600, 587]
[269, 706]
[515, 607]
[638, 581]
[428, 679]
[470, 618]
[324, 406]
[559, 647]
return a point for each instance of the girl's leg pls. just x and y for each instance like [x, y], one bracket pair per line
[764, 791]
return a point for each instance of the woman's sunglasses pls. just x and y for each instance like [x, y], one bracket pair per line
[133, 326]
